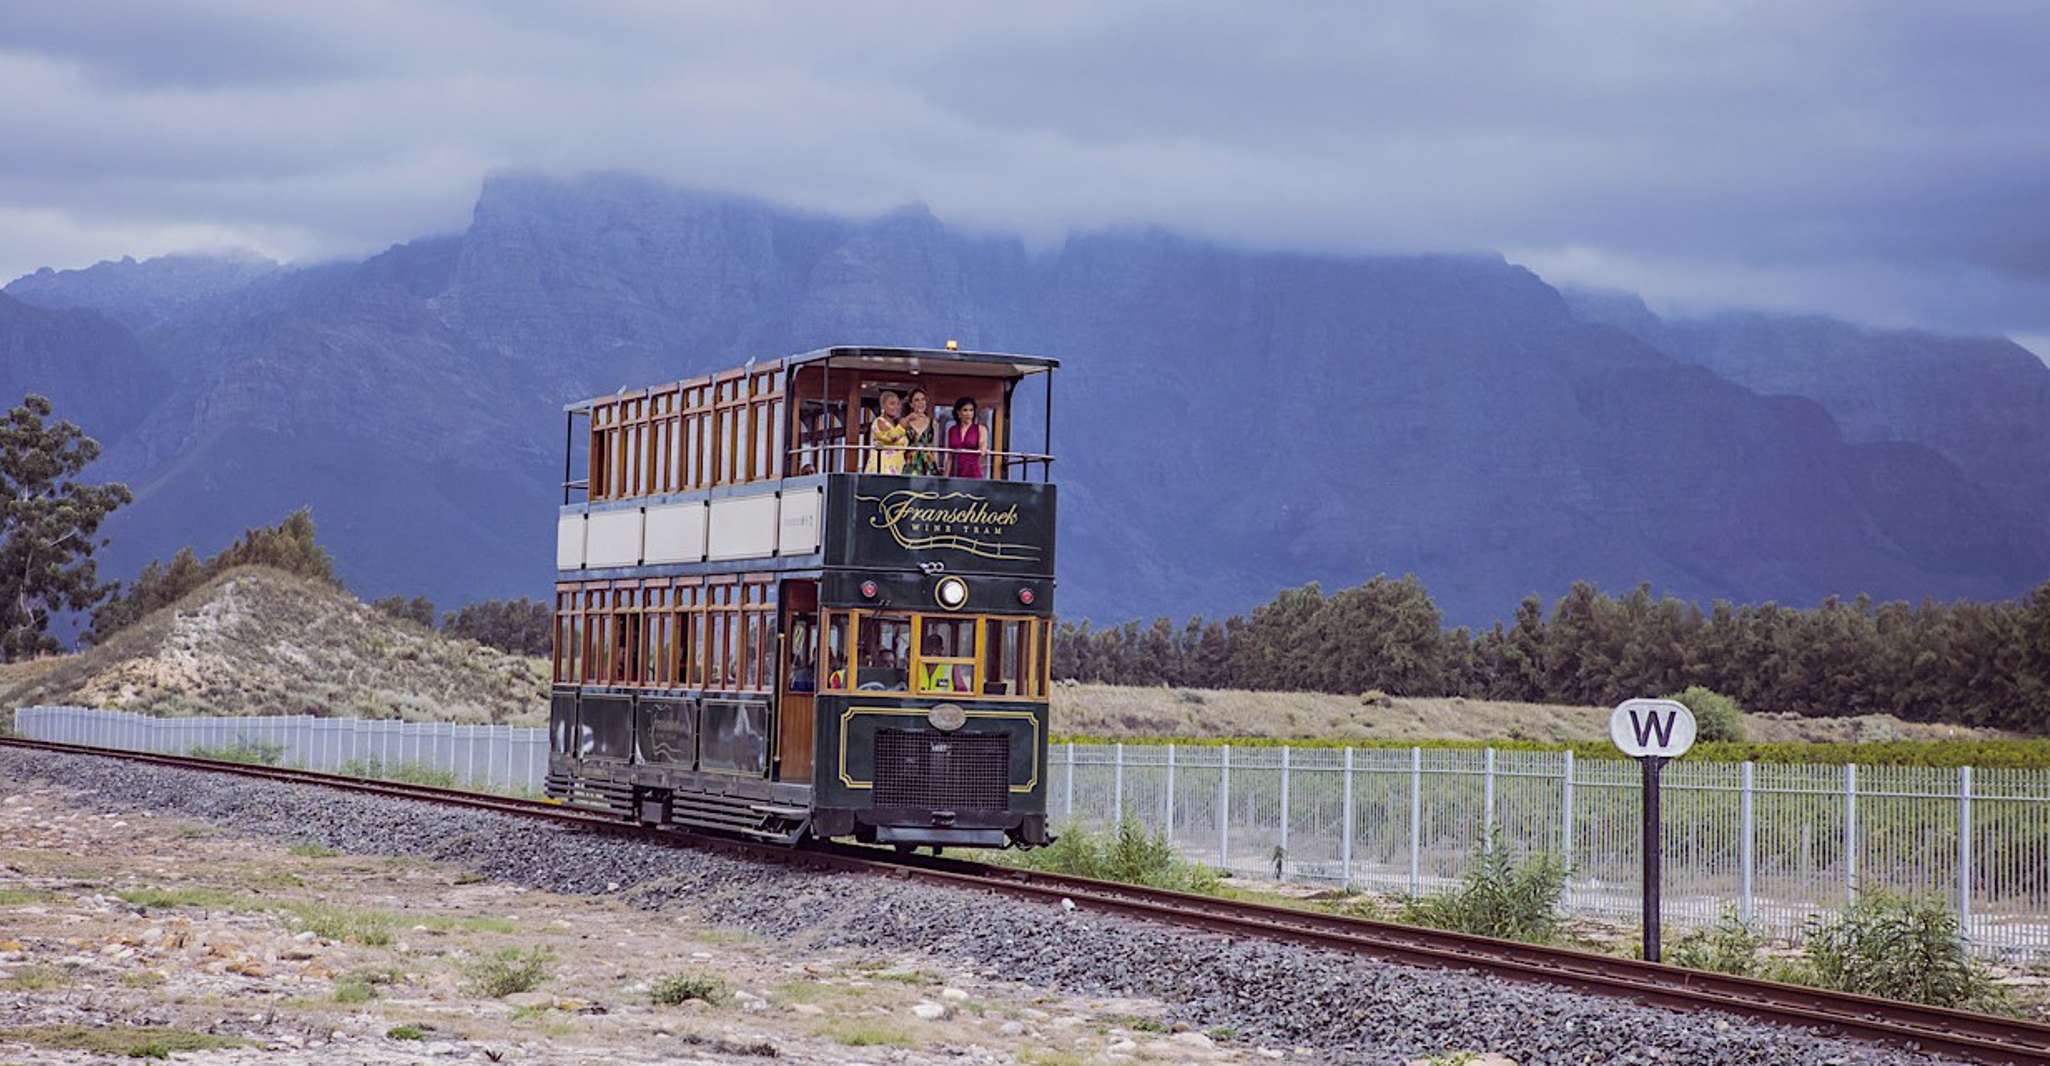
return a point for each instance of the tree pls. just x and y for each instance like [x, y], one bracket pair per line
[521, 626]
[48, 526]
[290, 546]
[419, 609]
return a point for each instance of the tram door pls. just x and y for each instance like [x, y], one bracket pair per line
[799, 679]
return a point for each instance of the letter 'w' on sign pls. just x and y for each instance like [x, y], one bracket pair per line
[1661, 728]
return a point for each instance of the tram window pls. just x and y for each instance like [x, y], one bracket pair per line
[803, 675]
[836, 651]
[885, 656]
[1003, 659]
[946, 655]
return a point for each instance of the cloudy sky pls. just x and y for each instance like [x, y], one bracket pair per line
[1885, 161]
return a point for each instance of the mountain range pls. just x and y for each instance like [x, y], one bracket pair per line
[1229, 421]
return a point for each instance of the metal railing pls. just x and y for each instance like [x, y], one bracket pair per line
[844, 458]
[1779, 843]
[499, 758]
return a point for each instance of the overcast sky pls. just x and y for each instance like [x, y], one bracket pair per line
[1888, 162]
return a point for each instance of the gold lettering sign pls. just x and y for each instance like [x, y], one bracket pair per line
[923, 520]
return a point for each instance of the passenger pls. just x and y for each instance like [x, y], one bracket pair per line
[938, 678]
[967, 442]
[886, 437]
[924, 459]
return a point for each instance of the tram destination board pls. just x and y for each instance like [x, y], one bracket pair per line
[950, 524]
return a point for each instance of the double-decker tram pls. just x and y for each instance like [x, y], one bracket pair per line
[812, 597]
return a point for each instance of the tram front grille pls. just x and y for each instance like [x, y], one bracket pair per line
[947, 771]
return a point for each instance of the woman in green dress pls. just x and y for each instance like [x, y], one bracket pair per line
[923, 459]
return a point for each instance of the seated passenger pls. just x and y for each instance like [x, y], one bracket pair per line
[967, 442]
[886, 438]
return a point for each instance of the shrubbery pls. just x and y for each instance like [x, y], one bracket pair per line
[509, 970]
[1128, 854]
[1727, 947]
[289, 546]
[1499, 896]
[1895, 947]
[1717, 718]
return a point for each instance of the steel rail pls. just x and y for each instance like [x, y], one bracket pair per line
[1937, 1030]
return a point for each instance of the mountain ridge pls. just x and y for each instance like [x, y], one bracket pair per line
[1229, 422]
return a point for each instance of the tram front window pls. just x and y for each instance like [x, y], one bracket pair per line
[885, 660]
[946, 655]
[1003, 660]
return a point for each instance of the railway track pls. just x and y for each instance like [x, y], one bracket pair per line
[1951, 1033]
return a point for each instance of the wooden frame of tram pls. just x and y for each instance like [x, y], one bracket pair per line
[751, 627]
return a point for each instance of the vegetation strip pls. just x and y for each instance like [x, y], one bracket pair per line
[1975, 1036]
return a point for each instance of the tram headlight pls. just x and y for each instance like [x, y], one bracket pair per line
[951, 593]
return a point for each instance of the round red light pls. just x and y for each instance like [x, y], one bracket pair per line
[1026, 596]
[868, 590]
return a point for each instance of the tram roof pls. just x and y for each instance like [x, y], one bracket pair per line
[960, 362]
[940, 360]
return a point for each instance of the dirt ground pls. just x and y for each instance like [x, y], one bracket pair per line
[125, 935]
[1120, 711]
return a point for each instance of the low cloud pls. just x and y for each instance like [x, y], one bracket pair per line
[1878, 160]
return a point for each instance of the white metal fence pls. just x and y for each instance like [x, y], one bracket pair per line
[496, 757]
[1779, 842]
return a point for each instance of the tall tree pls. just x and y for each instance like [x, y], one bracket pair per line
[49, 525]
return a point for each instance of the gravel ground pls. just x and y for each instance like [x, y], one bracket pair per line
[1266, 994]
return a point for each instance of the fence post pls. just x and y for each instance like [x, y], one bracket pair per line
[1488, 797]
[1345, 838]
[1279, 868]
[1416, 819]
[1747, 833]
[1224, 808]
[1117, 781]
[1851, 832]
[1566, 813]
[1068, 801]
[1964, 851]
[1170, 793]
[470, 755]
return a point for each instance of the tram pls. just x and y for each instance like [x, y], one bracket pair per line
[811, 597]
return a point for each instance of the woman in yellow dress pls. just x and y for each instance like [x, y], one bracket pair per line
[887, 437]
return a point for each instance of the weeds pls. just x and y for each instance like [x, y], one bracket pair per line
[137, 1042]
[679, 988]
[867, 1034]
[1728, 947]
[36, 979]
[259, 752]
[507, 971]
[1497, 897]
[1901, 948]
[411, 773]
[313, 850]
[405, 1032]
[1127, 853]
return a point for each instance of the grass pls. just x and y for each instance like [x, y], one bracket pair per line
[350, 991]
[135, 1042]
[36, 979]
[213, 899]
[411, 773]
[25, 897]
[349, 925]
[679, 988]
[406, 1032]
[258, 752]
[507, 971]
[851, 1033]
[313, 850]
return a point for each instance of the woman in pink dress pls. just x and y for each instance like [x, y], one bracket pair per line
[967, 442]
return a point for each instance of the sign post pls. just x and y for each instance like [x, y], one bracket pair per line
[1654, 732]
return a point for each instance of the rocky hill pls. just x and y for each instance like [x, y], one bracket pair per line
[1230, 421]
[258, 641]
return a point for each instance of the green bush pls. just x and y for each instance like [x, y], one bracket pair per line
[506, 971]
[1728, 947]
[1128, 854]
[1897, 947]
[259, 752]
[1717, 718]
[678, 988]
[1498, 897]
[411, 773]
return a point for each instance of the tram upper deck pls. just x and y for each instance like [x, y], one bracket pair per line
[795, 464]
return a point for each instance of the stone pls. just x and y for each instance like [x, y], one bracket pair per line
[954, 994]
[809, 1010]
[1122, 1047]
[1192, 1039]
[530, 1000]
[930, 1012]
[1011, 1028]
